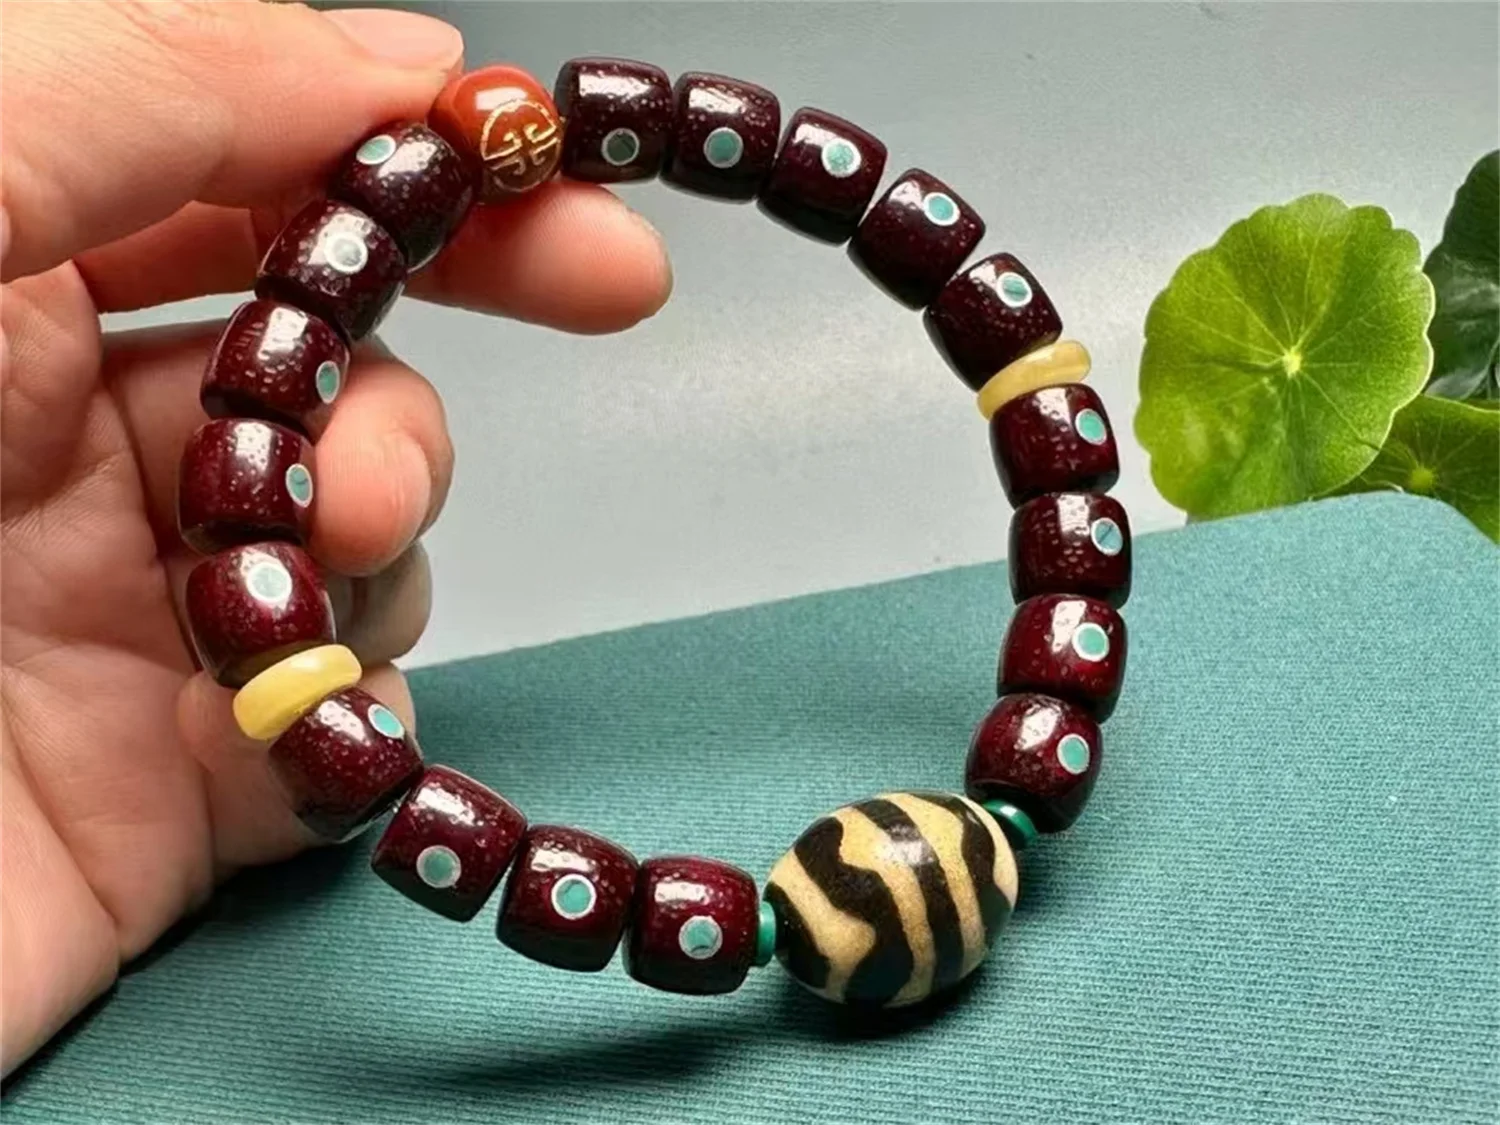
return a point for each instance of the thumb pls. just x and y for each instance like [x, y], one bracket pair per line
[118, 114]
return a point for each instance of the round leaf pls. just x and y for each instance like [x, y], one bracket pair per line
[1276, 358]
[1465, 270]
[1444, 449]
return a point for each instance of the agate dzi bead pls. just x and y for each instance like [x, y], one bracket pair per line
[449, 843]
[1057, 439]
[824, 176]
[988, 316]
[1038, 753]
[1067, 646]
[241, 481]
[277, 362]
[694, 925]
[725, 134]
[1070, 543]
[886, 902]
[619, 119]
[916, 238]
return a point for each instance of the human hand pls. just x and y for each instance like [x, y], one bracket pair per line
[151, 152]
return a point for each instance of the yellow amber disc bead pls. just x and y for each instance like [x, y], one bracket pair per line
[1066, 361]
[284, 692]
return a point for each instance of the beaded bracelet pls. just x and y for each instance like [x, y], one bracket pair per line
[881, 903]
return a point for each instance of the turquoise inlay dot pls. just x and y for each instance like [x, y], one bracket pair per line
[1014, 290]
[1019, 828]
[573, 896]
[299, 484]
[1107, 536]
[269, 581]
[1073, 753]
[841, 159]
[346, 252]
[327, 380]
[376, 150]
[620, 146]
[765, 936]
[700, 937]
[1090, 641]
[439, 866]
[940, 208]
[723, 147]
[384, 720]
[1091, 427]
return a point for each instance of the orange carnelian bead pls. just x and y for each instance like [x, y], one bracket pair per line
[504, 124]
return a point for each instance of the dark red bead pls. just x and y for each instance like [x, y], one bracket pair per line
[277, 362]
[1038, 753]
[250, 607]
[1067, 646]
[449, 843]
[724, 140]
[989, 316]
[410, 181]
[337, 262]
[344, 763]
[567, 899]
[618, 116]
[241, 481]
[1057, 439]
[824, 176]
[1070, 543]
[503, 125]
[916, 238]
[693, 926]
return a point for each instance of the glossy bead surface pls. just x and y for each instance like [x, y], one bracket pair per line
[449, 843]
[824, 176]
[1057, 439]
[277, 362]
[337, 262]
[503, 123]
[410, 181]
[253, 606]
[1067, 646]
[1066, 361]
[1070, 543]
[724, 137]
[693, 925]
[1038, 753]
[344, 763]
[891, 900]
[916, 237]
[241, 481]
[568, 898]
[288, 689]
[619, 119]
[989, 316]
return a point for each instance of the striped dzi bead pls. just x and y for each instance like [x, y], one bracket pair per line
[888, 901]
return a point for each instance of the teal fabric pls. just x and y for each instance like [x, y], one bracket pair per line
[1280, 906]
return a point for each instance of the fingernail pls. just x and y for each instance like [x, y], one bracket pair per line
[405, 39]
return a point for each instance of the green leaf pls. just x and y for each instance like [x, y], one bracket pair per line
[1275, 360]
[1465, 270]
[1445, 449]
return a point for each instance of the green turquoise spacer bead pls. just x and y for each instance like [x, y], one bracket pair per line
[765, 938]
[1016, 825]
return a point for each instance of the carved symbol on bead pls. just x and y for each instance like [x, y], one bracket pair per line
[940, 209]
[1073, 753]
[438, 866]
[841, 159]
[573, 896]
[723, 147]
[384, 720]
[1091, 427]
[269, 581]
[523, 155]
[327, 380]
[1106, 536]
[345, 252]
[376, 150]
[700, 937]
[299, 484]
[1014, 290]
[620, 147]
[1091, 642]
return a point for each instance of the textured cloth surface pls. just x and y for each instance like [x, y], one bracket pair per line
[1281, 904]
